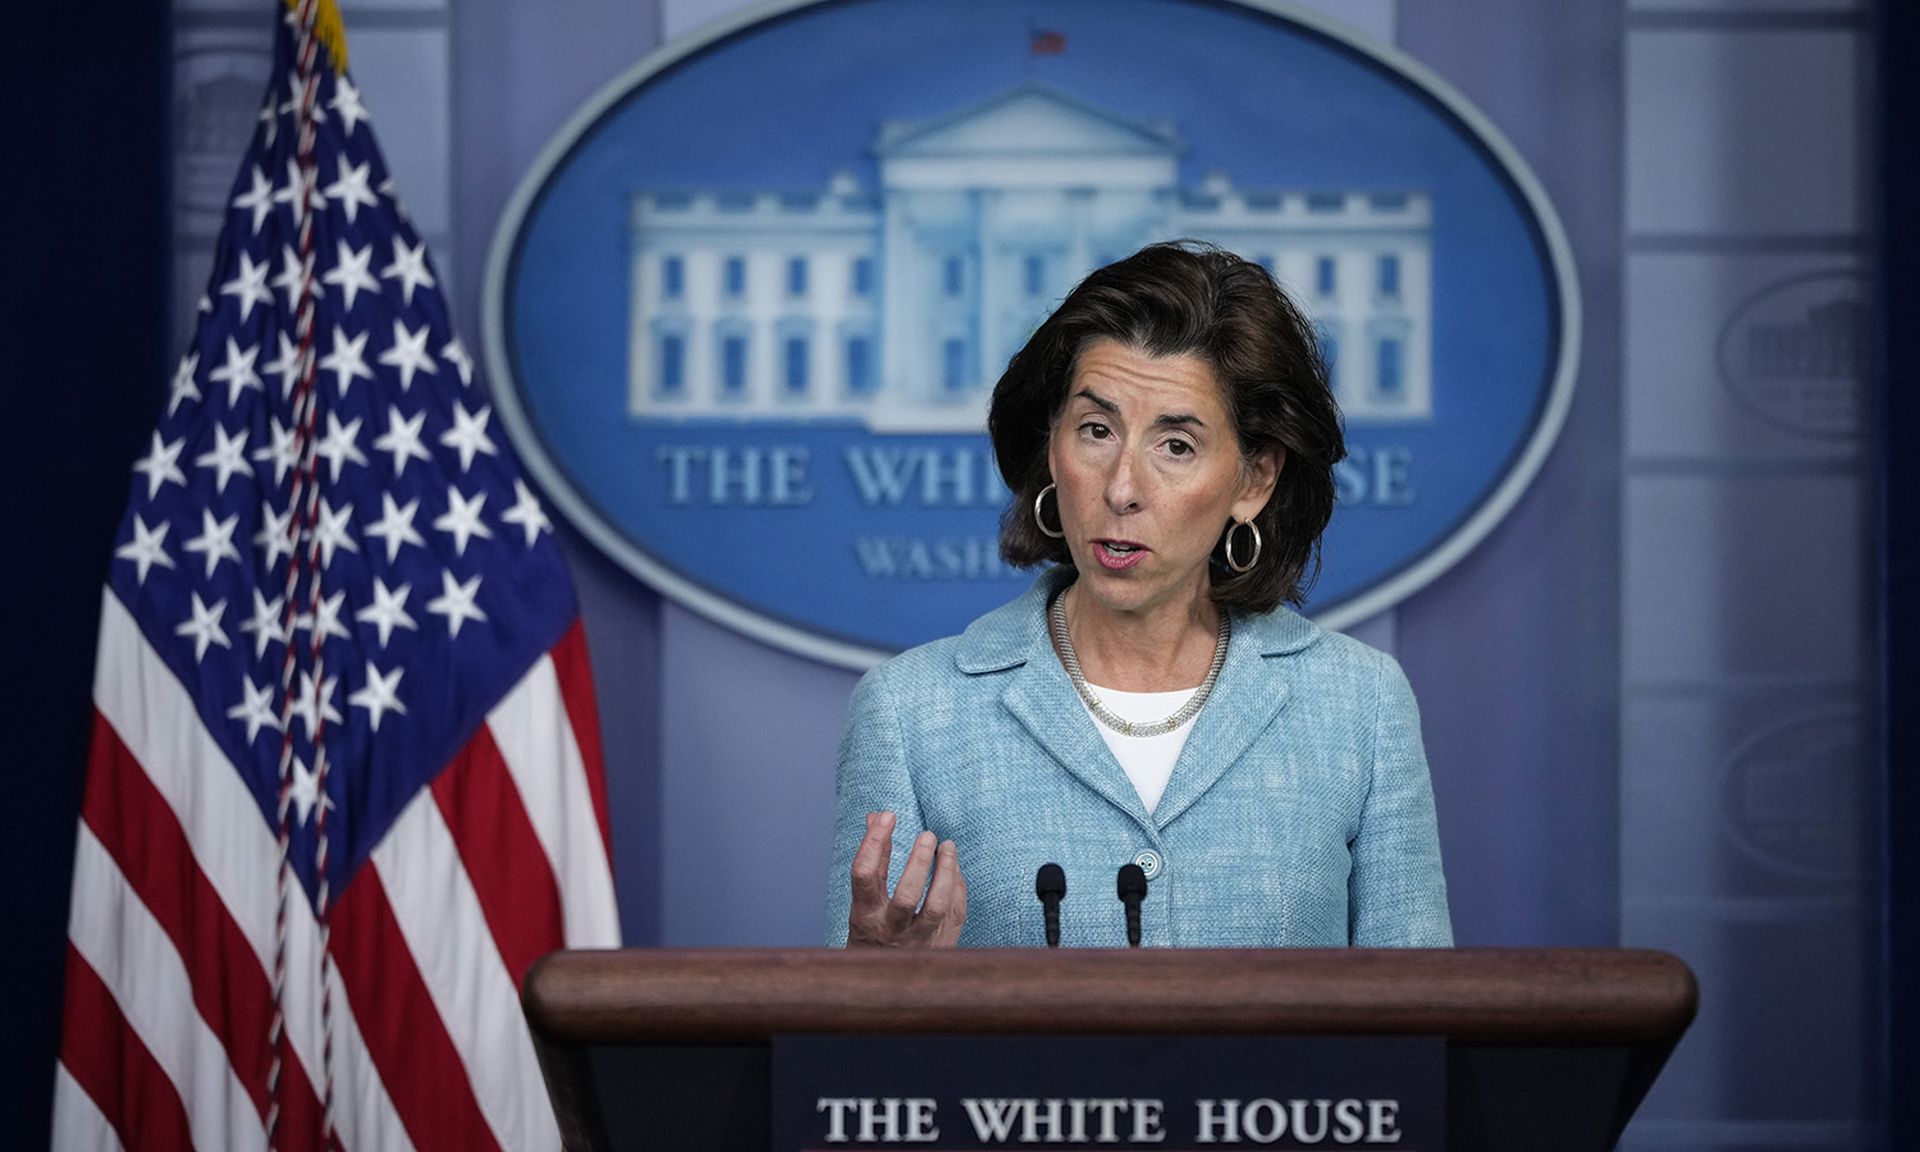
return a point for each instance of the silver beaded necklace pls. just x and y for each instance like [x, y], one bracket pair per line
[1057, 624]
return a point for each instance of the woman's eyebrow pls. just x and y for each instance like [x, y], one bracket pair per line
[1168, 419]
[1099, 401]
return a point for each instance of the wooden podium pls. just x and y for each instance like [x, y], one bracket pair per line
[1546, 1048]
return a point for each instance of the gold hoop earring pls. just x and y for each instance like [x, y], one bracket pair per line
[1226, 546]
[1039, 520]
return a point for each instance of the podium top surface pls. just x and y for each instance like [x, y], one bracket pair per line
[1518, 996]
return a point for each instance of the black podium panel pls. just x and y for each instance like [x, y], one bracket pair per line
[1500, 1098]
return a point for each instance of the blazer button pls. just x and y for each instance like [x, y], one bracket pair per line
[1149, 862]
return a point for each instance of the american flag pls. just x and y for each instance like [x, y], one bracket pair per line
[345, 783]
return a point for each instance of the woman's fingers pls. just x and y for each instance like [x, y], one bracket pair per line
[867, 915]
[870, 863]
[928, 905]
[913, 883]
[957, 919]
[945, 910]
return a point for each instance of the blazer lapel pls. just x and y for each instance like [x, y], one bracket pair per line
[1250, 693]
[1013, 639]
[1043, 700]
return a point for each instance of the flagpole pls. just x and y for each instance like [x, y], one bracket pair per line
[303, 561]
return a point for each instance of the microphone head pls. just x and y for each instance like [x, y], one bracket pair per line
[1050, 882]
[1131, 883]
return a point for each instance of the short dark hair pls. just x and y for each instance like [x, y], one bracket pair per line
[1187, 298]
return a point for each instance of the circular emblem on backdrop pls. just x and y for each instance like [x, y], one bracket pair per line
[745, 313]
[1796, 352]
[1793, 799]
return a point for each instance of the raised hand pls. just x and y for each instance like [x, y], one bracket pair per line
[929, 905]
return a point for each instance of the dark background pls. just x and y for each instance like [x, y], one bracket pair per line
[85, 340]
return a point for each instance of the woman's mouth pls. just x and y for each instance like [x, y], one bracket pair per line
[1118, 555]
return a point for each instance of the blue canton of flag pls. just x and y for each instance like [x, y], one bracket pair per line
[438, 579]
[342, 674]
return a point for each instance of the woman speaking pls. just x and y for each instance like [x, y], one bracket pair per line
[1169, 436]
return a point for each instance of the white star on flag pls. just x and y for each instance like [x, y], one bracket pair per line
[350, 188]
[345, 359]
[284, 452]
[314, 702]
[346, 101]
[455, 353]
[290, 191]
[469, 434]
[293, 272]
[378, 696]
[161, 464]
[183, 386]
[409, 267]
[296, 96]
[268, 117]
[331, 532]
[226, 457]
[265, 625]
[462, 519]
[258, 199]
[250, 285]
[204, 627]
[215, 541]
[409, 353]
[305, 792]
[237, 373]
[275, 527]
[389, 610]
[456, 602]
[350, 273]
[338, 447]
[402, 439]
[286, 365]
[256, 711]
[526, 512]
[146, 549]
[395, 525]
[327, 617]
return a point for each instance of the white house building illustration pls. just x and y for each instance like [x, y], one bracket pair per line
[898, 307]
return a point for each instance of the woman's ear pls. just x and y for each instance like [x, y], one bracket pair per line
[1262, 472]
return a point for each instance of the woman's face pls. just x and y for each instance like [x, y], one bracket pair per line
[1149, 473]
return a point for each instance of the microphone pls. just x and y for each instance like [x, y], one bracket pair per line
[1132, 886]
[1050, 884]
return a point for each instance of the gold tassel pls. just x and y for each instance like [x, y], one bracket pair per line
[332, 32]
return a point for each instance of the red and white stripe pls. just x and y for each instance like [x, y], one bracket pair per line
[169, 999]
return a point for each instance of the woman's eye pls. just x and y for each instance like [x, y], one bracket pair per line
[1096, 430]
[1179, 448]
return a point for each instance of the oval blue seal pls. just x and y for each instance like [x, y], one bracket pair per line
[745, 312]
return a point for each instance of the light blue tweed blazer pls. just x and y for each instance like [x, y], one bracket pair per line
[1300, 812]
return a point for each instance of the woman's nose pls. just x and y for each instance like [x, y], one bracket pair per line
[1123, 490]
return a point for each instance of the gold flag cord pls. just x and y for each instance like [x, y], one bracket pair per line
[331, 31]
